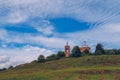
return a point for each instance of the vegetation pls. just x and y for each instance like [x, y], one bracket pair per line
[76, 52]
[102, 67]
[41, 59]
[52, 57]
[99, 49]
[113, 51]
[57, 56]
[61, 54]
[3, 69]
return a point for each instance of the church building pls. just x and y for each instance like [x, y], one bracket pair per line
[85, 47]
[82, 49]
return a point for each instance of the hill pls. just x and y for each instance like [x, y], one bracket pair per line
[104, 67]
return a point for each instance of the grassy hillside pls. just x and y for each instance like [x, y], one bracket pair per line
[85, 68]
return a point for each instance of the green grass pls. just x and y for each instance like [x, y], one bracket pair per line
[85, 68]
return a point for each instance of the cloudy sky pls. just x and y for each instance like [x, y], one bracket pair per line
[29, 28]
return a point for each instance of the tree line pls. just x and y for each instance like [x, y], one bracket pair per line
[77, 53]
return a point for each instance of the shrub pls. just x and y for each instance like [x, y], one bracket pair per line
[41, 59]
[52, 57]
[61, 54]
[76, 52]
[99, 49]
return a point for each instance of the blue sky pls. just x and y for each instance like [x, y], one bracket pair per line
[30, 28]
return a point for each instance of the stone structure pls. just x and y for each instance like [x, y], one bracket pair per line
[67, 50]
[85, 47]
[82, 49]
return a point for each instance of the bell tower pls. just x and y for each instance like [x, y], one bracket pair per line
[67, 50]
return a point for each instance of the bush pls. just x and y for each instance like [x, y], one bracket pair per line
[41, 59]
[52, 57]
[61, 54]
[10, 67]
[35, 61]
[117, 52]
[76, 52]
[99, 49]
[110, 52]
[3, 69]
[88, 60]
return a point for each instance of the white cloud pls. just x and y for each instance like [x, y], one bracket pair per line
[4, 45]
[46, 30]
[91, 10]
[107, 34]
[43, 26]
[16, 17]
[36, 8]
[4, 59]
[3, 34]
[22, 55]
[100, 12]
[50, 42]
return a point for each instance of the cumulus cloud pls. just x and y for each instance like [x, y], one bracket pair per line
[17, 56]
[3, 59]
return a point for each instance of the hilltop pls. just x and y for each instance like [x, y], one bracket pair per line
[104, 67]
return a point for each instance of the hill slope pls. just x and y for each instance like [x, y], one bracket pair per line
[85, 68]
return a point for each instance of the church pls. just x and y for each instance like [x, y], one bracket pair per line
[82, 49]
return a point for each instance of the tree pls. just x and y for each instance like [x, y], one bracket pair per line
[76, 52]
[117, 52]
[34, 61]
[110, 51]
[99, 49]
[41, 59]
[3, 69]
[52, 57]
[61, 54]
[10, 67]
